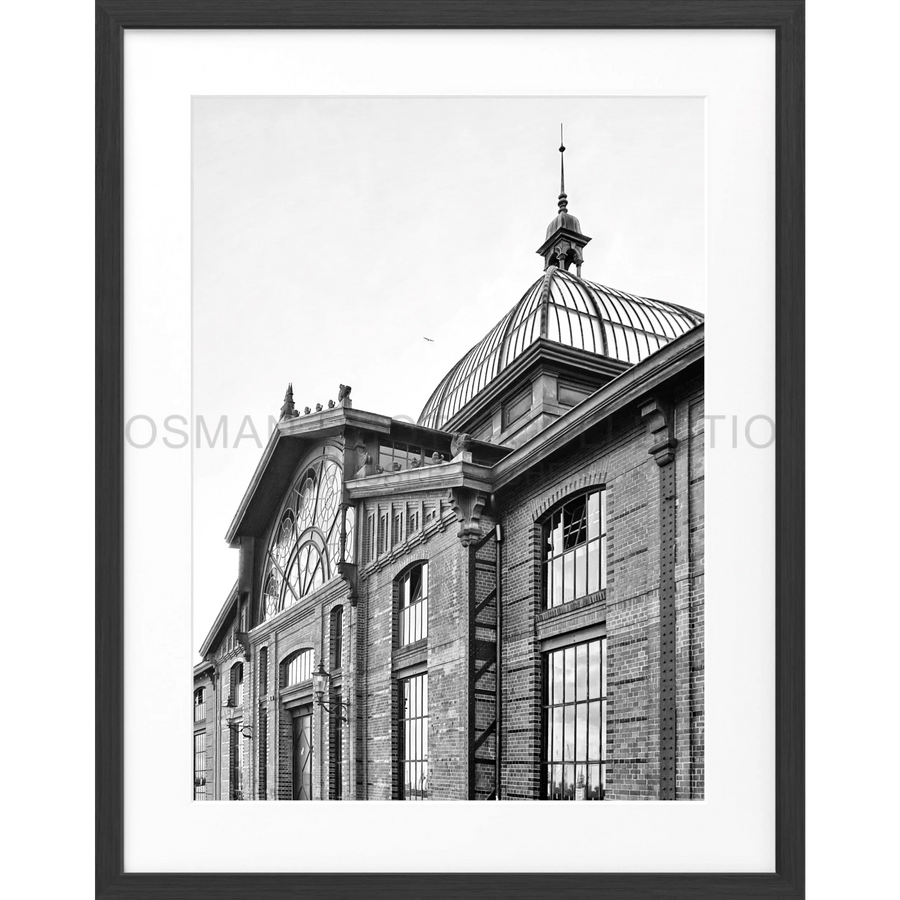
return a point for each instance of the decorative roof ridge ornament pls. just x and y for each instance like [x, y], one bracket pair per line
[565, 240]
[563, 202]
[287, 408]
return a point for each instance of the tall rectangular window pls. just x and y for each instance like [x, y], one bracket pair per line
[414, 737]
[237, 685]
[337, 746]
[199, 704]
[574, 549]
[237, 763]
[337, 636]
[414, 605]
[200, 766]
[263, 725]
[573, 763]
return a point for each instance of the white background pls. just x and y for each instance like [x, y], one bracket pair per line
[733, 830]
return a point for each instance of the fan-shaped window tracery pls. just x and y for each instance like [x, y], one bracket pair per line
[305, 546]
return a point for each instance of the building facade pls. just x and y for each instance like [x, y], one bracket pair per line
[504, 600]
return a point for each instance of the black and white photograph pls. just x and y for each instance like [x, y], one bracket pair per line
[449, 444]
[448, 448]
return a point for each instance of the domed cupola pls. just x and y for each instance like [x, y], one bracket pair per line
[565, 240]
[564, 339]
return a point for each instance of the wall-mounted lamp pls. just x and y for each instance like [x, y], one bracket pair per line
[321, 680]
[232, 721]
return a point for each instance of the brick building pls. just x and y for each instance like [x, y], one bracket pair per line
[503, 600]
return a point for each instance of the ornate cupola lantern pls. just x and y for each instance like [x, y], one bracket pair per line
[565, 240]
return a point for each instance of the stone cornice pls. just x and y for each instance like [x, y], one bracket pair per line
[629, 387]
[442, 476]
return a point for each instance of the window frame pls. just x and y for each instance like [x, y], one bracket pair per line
[402, 579]
[201, 693]
[420, 762]
[549, 557]
[200, 789]
[546, 761]
[336, 636]
[288, 661]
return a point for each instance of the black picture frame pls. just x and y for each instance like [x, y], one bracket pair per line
[786, 18]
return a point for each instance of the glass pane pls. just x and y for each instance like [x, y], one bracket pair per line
[603, 666]
[569, 576]
[581, 785]
[548, 585]
[581, 715]
[558, 669]
[602, 562]
[593, 567]
[594, 783]
[557, 785]
[569, 748]
[593, 751]
[581, 671]
[557, 581]
[557, 747]
[603, 526]
[556, 536]
[569, 782]
[580, 572]
[603, 730]
[594, 669]
[570, 674]
[594, 515]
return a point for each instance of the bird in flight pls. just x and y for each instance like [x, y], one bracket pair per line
[430, 340]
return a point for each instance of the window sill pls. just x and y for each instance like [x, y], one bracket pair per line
[410, 655]
[589, 600]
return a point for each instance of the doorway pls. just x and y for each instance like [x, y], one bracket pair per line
[302, 762]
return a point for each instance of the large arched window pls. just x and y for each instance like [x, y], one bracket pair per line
[305, 545]
[574, 548]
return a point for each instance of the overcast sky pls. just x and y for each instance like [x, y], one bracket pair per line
[331, 236]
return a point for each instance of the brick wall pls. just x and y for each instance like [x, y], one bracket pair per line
[615, 453]
[445, 654]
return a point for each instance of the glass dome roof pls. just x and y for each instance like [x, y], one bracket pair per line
[571, 311]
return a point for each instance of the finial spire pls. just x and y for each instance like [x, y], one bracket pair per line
[565, 239]
[563, 199]
[287, 408]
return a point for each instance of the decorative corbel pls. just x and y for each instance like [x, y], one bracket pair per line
[467, 505]
[348, 573]
[660, 419]
[243, 638]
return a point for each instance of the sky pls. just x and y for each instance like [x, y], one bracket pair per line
[331, 236]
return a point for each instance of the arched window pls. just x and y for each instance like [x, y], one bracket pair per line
[337, 636]
[305, 544]
[237, 685]
[297, 668]
[413, 585]
[199, 704]
[574, 548]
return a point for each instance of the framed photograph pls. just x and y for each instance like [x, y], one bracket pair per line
[417, 477]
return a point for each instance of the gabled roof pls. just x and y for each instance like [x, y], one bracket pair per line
[223, 619]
